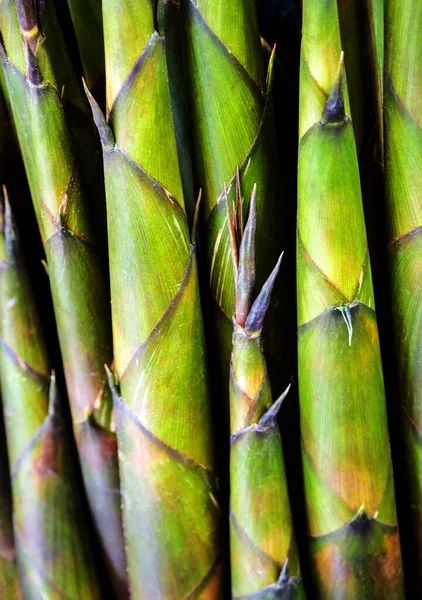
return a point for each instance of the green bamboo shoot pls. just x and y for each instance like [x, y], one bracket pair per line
[56, 138]
[54, 554]
[353, 539]
[233, 128]
[264, 559]
[9, 581]
[171, 514]
[403, 170]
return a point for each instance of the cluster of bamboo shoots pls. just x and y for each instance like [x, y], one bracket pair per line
[150, 445]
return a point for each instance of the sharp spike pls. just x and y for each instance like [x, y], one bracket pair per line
[270, 71]
[239, 205]
[334, 111]
[112, 385]
[269, 417]
[34, 72]
[255, 320]
[232, 238]
[105, 133]
[284, 575]
[235, 222]
[62, 215]
[196, 217]
[246, 275]
[53, 396]
[12, 249]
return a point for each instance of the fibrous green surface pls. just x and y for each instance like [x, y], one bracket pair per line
[353, 536]
[9, 581]
[59, 151]
[264, 560]
[403, 172]
[232, 123]
[170, 508]
[54, 552]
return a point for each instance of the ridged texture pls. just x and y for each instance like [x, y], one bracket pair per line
[232, 121]
[403, 171]
[53, 549]
[353, 536]
[9, 581]
[59, 152]
[171, 514]
[264, 560]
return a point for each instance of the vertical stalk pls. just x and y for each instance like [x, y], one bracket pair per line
[53, 549]
[59, 150]
[264, 560]
[353, 542]
[233, 129]
[171, 513]
[403, 171]
[9, 581]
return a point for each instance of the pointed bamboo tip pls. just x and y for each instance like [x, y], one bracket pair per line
[112, 385]
[53, 396]
[3, 53]
[196, 217]
[284, 575]
[231, 224]
[9, 229]
[45, 265]
[245, 283]
[334, 111]
[9, 221]
[270, 71]
[256, 317]
[104, 131]
[34, 72]
[268, 418]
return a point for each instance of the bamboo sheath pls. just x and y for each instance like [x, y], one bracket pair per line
[59, 150]
[233, 129]
[54, 554]
[169, 497]
[263, 552]
[353, 535]
[403, 173]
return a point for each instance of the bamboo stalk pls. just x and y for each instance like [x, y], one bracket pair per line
[403, 172]
[59, 150]
[170, 509]
[264, 559]
[233, 136]
[53, 549]
[9, 581]
[353, 535]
